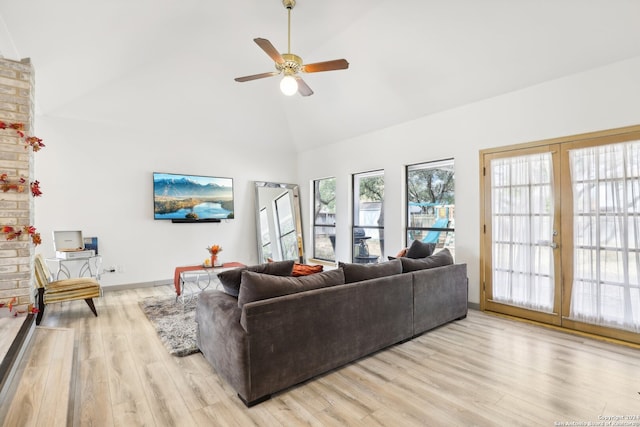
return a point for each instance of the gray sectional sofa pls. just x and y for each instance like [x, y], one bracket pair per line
[280, 331]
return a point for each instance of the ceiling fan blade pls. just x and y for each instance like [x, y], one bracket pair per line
[336, 64]
[303, 88]
[269, 50]
[256, 76]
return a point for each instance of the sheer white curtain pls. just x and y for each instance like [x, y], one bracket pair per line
[522, 231]
[606, 214]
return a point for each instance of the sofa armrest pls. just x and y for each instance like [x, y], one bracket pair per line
[221, 339]
[440, 296]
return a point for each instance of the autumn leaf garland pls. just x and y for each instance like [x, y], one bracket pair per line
[19, 184]
[12, 233]
[11, 304]
[30, 141]
[6, 184]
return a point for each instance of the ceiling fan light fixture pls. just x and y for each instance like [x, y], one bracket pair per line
[289, 85]
[290, 64]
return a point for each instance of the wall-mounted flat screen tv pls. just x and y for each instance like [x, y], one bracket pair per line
[192, 198]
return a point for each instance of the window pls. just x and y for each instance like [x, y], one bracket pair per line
[324, 219]
[368, 217]
[431, 203]
[267, 251]
[286, 227]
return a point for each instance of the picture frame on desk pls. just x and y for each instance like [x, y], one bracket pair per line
[91, 243]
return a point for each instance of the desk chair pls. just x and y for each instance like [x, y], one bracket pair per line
[50, 291]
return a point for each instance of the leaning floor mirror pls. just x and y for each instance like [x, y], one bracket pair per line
[278, 222]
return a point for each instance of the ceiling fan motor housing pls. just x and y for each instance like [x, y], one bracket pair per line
[291, 65]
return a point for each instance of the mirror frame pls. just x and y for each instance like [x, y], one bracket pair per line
[294, 190]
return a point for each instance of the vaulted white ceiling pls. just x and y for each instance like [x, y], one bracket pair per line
[150, 62]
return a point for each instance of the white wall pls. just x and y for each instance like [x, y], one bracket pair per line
[97, 177]
[603, 98]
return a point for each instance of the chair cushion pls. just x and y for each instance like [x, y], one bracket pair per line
[71, 289]
[72, 284]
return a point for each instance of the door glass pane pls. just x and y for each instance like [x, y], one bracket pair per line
[522, 231]
[605, 182]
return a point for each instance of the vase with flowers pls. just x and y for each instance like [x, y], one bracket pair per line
[214, 250]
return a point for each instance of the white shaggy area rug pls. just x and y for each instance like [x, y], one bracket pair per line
[174, 322]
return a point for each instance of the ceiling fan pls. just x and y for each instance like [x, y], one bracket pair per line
[290, 65]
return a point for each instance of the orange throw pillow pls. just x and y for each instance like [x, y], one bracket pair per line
[402, 253]
[305, 270]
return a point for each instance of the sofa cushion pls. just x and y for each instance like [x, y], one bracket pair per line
[419, 249]
[257, 286]
[439, 259]
[230, 279]
[359, 272]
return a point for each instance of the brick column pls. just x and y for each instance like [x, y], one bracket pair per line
[16, 208]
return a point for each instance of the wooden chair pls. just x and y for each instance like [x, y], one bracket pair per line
[50, 291]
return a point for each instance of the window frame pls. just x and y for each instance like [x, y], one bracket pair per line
[408, 228]
[267, 247]
[319, 226]
[357, 255]
[283, 235]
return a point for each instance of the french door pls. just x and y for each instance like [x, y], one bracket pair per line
[521, 233]
[561, 232]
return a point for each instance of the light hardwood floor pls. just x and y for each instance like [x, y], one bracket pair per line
[9, 327]
[49, 368]
[484, 370]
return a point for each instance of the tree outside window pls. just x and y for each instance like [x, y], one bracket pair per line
[431, 203]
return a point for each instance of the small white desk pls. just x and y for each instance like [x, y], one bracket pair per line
[87, 267]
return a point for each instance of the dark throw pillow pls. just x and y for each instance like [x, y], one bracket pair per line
[230, 279]
[359, 272]
[438, 259]
[420, 250]
[256, 286]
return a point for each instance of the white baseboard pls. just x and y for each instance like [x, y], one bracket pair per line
[110, 288]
